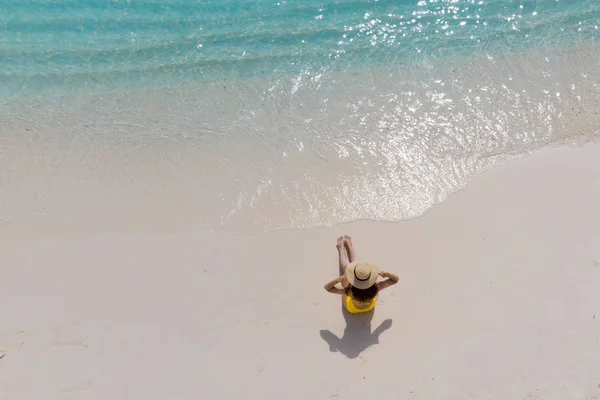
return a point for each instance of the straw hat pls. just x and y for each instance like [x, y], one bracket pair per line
[362, 274]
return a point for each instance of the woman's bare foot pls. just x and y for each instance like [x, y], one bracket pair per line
[343, 254]
[350, 248]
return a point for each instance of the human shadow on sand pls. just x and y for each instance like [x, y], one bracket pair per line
[357, 334]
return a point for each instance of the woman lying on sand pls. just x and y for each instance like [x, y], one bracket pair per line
[358, 279]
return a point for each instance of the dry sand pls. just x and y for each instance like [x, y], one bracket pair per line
[499, 298]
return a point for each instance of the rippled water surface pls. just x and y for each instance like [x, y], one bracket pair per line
[53, 44]
[251, 115]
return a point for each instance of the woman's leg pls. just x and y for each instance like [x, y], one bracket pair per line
[343, 253]
[350, 248]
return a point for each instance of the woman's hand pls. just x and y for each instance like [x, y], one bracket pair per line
[343, 280]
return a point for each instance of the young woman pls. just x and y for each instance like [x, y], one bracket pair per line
[358, 279]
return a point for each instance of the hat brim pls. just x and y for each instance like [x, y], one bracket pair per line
[354, 281]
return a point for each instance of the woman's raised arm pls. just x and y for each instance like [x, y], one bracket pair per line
[391, 280]
[330, 286]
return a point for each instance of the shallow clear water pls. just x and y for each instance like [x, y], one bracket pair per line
[251, 115]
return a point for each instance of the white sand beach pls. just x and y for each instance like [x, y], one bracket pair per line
[498, 299]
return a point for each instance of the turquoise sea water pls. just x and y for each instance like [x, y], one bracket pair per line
[53, 45]
[254, 115]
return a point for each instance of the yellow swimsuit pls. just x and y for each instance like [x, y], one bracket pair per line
[353, 310]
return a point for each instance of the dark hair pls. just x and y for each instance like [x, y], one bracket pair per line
[362, 295]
